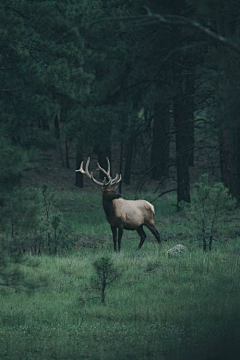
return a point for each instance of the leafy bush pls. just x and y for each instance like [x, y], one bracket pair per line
[13, 264]
[210, 206]
[56, 233]
[34, 223]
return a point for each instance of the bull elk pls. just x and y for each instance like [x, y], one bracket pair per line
[122, 214]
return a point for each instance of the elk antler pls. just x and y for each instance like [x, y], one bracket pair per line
[111, 181]
[117, 179]
[104, 171]
[86, 172]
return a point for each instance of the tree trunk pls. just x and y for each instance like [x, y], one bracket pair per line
[79, 159]
[67, 153]
[128, 163]
[234, 161]
[229, 145]
[160, 144]
[57, 126]
[57, 135]
[45, 124]
[182, 150]
[120, 167]
[103, 146]
[61, 153]
[189, 114]
[224, 157]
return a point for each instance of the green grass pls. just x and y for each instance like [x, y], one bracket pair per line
[159, 308]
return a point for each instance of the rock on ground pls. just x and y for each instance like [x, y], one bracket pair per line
[177, 250]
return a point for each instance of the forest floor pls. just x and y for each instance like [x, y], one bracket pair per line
[158, 308]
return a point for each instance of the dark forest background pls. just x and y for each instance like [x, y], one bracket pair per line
[153, 85]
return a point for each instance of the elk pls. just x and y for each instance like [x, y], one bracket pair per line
[120, 213]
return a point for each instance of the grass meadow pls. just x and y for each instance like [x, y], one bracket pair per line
[159, 308]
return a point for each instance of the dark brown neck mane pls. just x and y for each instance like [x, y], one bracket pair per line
[108, 196]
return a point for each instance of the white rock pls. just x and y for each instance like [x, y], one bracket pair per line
[177, 250]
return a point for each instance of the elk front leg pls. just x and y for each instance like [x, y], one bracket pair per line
[120, 233]
[142, 235]
[114, 232]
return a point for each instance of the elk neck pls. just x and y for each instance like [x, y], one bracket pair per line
[108, 197]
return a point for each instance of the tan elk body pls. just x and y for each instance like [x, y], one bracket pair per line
[120, 213]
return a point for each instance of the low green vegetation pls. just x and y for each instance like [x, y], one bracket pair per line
[159, 308]
[153, 306]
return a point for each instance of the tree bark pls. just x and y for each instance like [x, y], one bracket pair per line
[57, 126]
[45, 124]
[234, 161]
[182, 150]
[160, 144]
[103, 145]
[224, 157]
[67, 153]
[128, 163]
[189, 114]
[120, 167]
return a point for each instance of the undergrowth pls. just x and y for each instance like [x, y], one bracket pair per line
[159, 308]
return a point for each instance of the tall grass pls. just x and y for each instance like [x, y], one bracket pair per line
[159, 308]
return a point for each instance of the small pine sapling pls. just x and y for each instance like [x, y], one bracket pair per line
[105, 274]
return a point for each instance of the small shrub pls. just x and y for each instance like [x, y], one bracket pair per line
[210, 205]
[13, 265]
[105, 274]
[34, 223]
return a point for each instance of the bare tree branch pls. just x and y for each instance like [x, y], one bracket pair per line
[18, 11]
[163, 193]
[173, 20]
[7, 90]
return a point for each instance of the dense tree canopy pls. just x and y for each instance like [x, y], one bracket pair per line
[153, 85]
[156, 82]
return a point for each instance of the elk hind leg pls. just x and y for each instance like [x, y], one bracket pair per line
[154, 231]
[142, 235]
